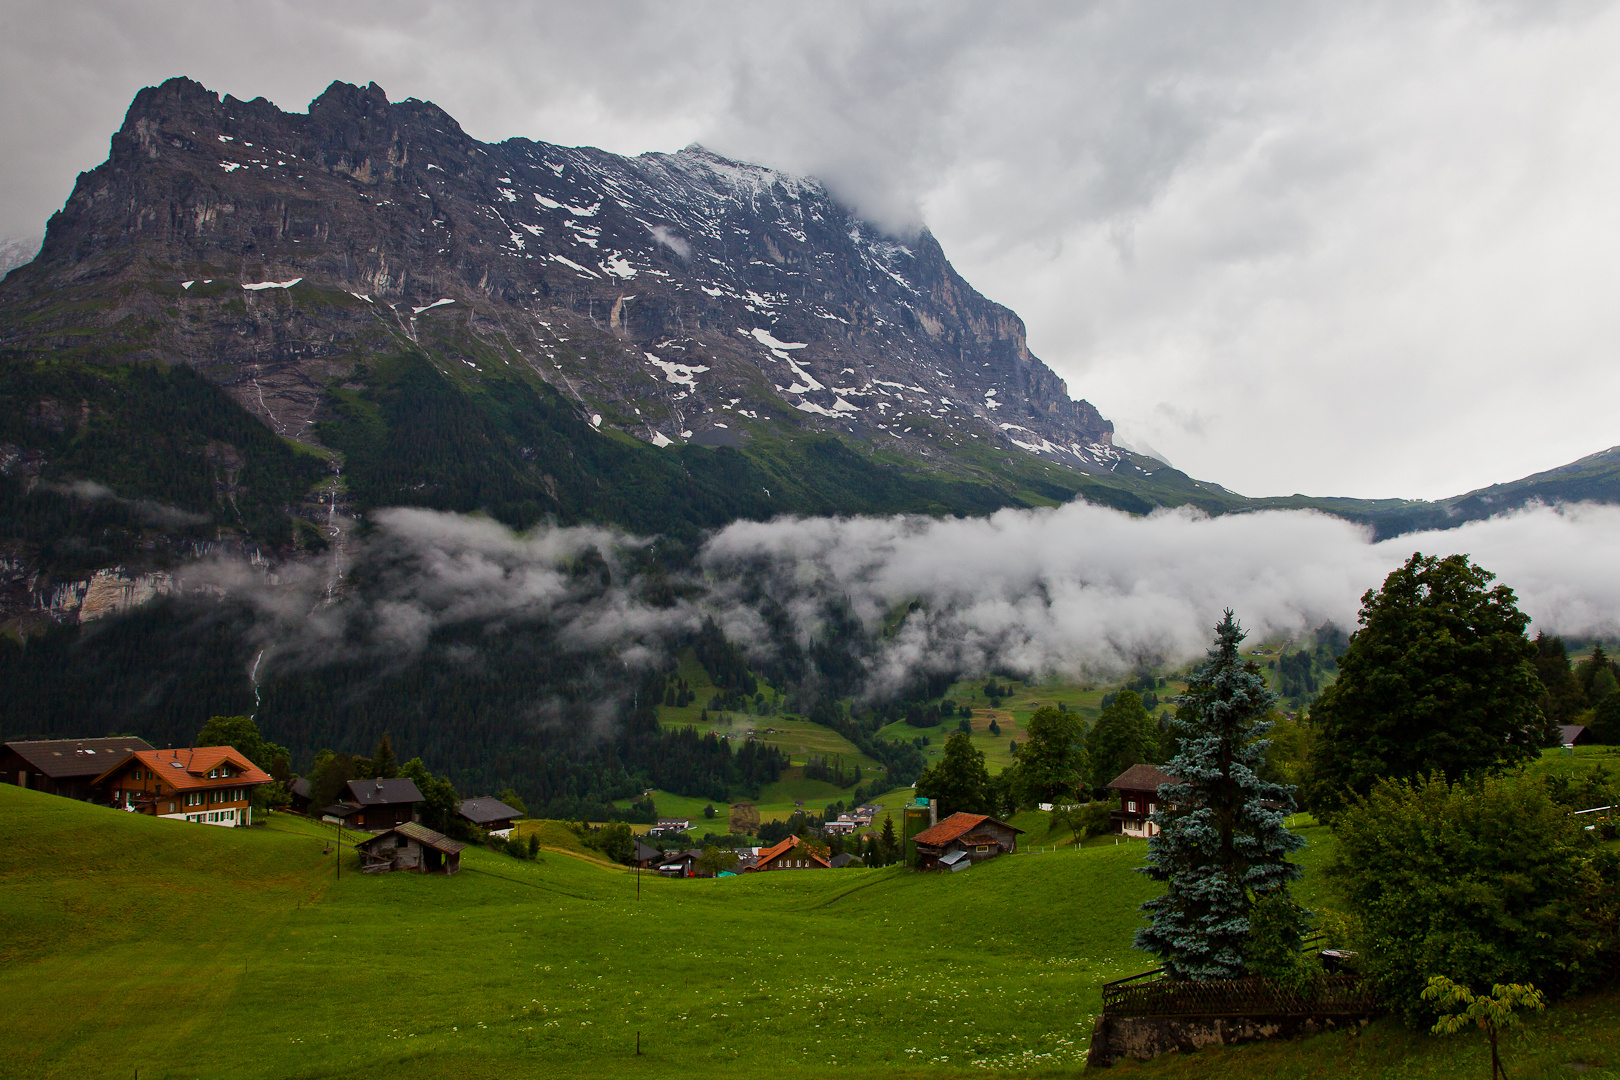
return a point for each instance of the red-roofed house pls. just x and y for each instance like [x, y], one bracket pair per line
[212, 785]
[789, 854]
[1138, 788]
[963, 839]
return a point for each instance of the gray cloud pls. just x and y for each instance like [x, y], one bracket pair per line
[1079, 591]
[1370, 243]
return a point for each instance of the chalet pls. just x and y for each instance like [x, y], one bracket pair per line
[646, 857]
[1573, 735]
[491, 815]
[66, 767]
[963, 839]
[409, 846]
[301, 797]
[670, 827]
[1138, 788]
[846, 859]
[211, 785]
[376, 805]
[865, 815]
[789, 854]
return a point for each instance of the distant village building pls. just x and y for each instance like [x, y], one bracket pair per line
[963, 839]
[210, 785]
[845, 825]
[375, 805]
[299, 789]
[682, 864]
[790, 854]
[670, 827]
[646, 857]
[409, 846]
[491, 815]
[1572, 735]
[65, 767]
[1138, 788]
[847, 859]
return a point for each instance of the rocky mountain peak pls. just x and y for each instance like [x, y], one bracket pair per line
[674, 296]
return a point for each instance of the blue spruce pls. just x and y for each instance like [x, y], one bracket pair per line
[1222, 843]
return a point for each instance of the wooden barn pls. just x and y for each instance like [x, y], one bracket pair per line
[66, 767]
[962, 840]
[409, 846]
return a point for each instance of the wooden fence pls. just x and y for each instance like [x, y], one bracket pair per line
[1151, 994]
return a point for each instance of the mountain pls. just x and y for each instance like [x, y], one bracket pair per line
[249, 326]
[493, 326]
[18, 252]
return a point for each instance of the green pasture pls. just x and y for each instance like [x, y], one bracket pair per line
[187, 951]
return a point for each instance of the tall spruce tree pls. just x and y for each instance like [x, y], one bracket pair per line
[1222, 843]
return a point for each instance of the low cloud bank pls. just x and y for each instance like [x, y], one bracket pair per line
[1079, 590]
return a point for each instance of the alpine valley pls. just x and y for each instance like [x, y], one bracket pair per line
[249, 332]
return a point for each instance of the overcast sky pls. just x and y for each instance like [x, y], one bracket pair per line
[1350, 249]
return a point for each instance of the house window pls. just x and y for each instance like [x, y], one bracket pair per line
[1130, 807]
[1150, 807]
[982, 847]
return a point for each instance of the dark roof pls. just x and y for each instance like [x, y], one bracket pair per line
[384, 792]
[643, 852]
[1141, 778]
[423, 835]
[300, 787]
[841, 861]
[341, 809]
[955, 826]
[483, 810]
[58, 758]
[1569, 733]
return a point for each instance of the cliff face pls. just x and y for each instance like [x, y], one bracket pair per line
[674, 296]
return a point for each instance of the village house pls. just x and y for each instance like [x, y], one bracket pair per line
[845, 825]
[491, 815]
[866, 814]
[789, 854]
[646, 857]
[299, 789]
[963, 839]
[1138, 788]
[1573, 735]
[375, 805]
[211, 785]
[65, 767]
[409, 846]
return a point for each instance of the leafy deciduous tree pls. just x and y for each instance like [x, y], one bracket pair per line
[1439, 677]
[1124, 735]
[960, 780]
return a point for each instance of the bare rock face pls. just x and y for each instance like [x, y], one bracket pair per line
[673, 296]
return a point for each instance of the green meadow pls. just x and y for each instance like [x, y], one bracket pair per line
[188, 951]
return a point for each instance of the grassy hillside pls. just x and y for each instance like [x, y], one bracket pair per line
[186, 951]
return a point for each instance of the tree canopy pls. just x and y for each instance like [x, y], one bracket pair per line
[1488, 880]
[1440, 676]
[1124, 735]
[1222, 845]
[959, 780]
[242, 734]
[1052, 760]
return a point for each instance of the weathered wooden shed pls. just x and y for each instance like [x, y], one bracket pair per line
[410, 846]
[963, 839]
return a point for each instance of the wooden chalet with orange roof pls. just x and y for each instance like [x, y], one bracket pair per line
[789, 854]
[962, 840]
[212, 785]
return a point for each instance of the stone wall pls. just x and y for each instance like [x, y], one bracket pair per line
[1145, 1037]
